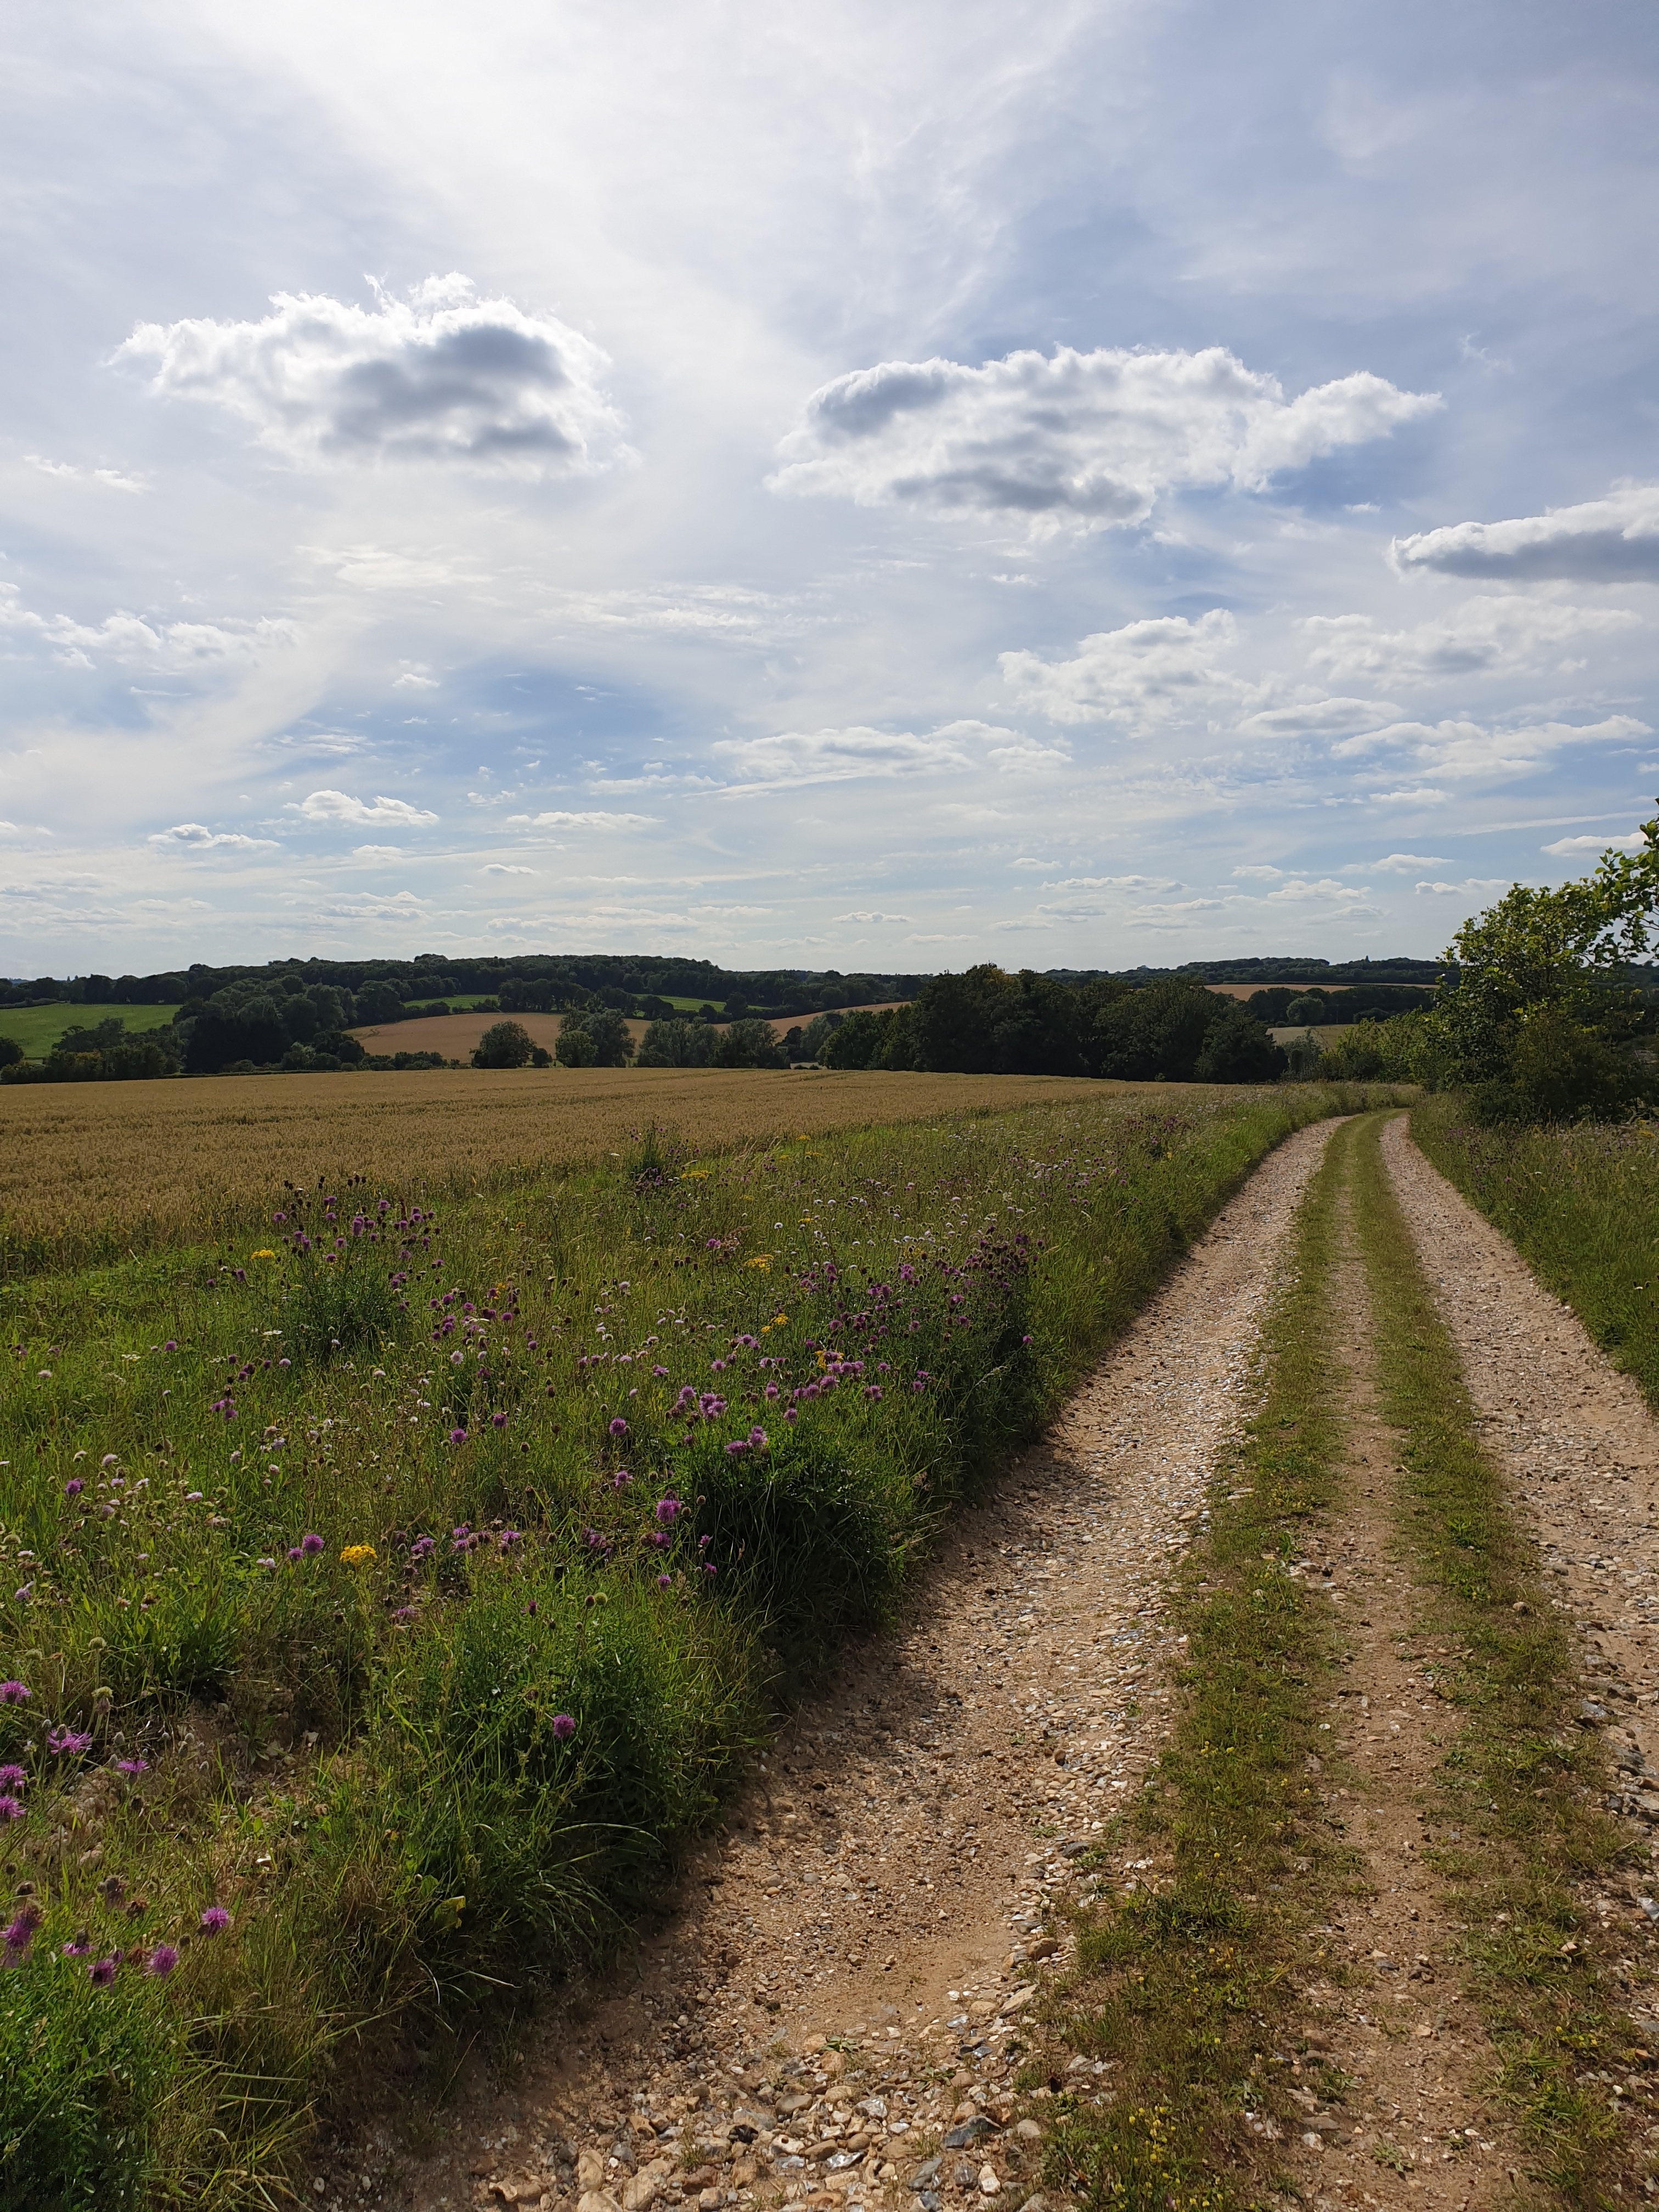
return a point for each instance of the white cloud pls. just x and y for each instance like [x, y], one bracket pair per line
[1025, 756]
[1400, 864]
[415, 678]
[194, 837]
[1472, 887]
[178, 648]
[800, 757]
[1568, 848]
[1614, 540]
[1485, 635]
[1142, 675]
[1084, 440]
[1465, 751]
[67, 472]
[1418, 794]
[443, 376]
[1113, 883]
[1318, 718]
[506, 868]
[1261, 874]
[865, 913]
[1325, 891]
[594, 818]
[341, 806]
[394, 906]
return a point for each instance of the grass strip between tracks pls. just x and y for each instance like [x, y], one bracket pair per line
[1186, 1986]
[1517, 1801]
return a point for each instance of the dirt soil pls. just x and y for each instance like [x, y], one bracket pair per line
[888, 1883]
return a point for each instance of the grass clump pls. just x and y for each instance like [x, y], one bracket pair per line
[1581, 1205]
[1521, 1785]
[1185, 1985]
[412, 1657]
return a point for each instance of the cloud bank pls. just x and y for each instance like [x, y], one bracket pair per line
[1084, 440]
[1614, 540]
[441, 376]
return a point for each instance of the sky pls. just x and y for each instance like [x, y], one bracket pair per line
[830, 485]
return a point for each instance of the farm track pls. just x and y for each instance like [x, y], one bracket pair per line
[891, 1867]
[893, 1862]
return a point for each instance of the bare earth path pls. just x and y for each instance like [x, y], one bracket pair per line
[890, 1870]
[1581, 1450]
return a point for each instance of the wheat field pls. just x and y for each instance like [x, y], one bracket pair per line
[90, 1170]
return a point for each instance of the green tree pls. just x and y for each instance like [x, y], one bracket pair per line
[504, 1044]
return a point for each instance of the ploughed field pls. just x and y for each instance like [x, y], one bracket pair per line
[393, 1583]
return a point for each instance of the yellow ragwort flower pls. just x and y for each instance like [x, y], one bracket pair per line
[354, 1554]
[264, 1253]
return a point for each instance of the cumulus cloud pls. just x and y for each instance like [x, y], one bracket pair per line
[174, 649]
[68, 473]
[1614, 540]
[593, 818]
[1080, 441]
[441, 376]
[1571, 849]
[1113, 883]
[801, 756]
[1471, 887]
[506, 868]
[1327, 889]
[194, 837]
[1465, 751]
[1141, 675]
[1400, 863]
[341, 806]
[1261, 874]
[870, 913]
[1417, 794]
[1486, 636]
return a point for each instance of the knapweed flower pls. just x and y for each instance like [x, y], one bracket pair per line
[294, 1553]
[508, 1538]
[457, 1436]
[214, 1921]
[668, 1511]
[563, 1727]
[757, 1439]
[311, 1543]
[165, 1957]
[11, 1809]
[422, 1547]
[456, 1359]
[620, 1478]
[67, 1741]
[619, 1427]
[357, 1555]
[132, 1768]
[74, 1486]
[14, 1694]
[13, 1778]
[665, 1582]
[404, 1613]
[103, 1972]
[20, 1934]
[79, 1946]
[498, 1421]
[171, 1345]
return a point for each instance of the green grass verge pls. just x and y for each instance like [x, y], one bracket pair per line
[329, 1538]
[1582, 1207]
[1516, 1802]
[1186, 1987]
[36, 1028]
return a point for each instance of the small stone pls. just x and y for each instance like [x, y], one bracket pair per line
[990, 2182]
[708, 2201]
[597, 2200]
[1027, 2132]
[590, 2169]
[835, 2065]
[1044, 1947]
[965, 2175]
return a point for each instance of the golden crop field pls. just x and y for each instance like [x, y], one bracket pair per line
[92, 1170]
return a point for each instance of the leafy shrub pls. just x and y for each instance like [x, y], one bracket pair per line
[676, 1043]
[504, 1044]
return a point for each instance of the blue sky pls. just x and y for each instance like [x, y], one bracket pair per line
[837, 485]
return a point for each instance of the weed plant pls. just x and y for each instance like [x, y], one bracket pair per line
[396, 1590]
[1582, 1205]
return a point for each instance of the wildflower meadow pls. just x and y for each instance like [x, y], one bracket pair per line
[388, 1590]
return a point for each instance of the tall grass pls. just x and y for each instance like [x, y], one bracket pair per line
[1583, 1206]
[404, 1585]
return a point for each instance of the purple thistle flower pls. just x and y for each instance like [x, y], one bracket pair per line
[619, 1427]
[171, 1345]
[311, 1543]
[668, 1511]
[620, 1478]
[791, 1414]
[404, 1613]
[457, 1436]
[757, 1439]
[665, 1582]
[20, 1934]
[215, 1920]
[508, 1538]
[563, 1727]
[132, 1768]
[498, 1421]
[80, 1947]
[74, 1486]
[294, 1553]
[872, 1390]
[422, 1547]
[738, 1444]
[709, 1568]
[161, 1960]
[14, 1694]
[13, 1778]
[102, 1972]
[66, 1741]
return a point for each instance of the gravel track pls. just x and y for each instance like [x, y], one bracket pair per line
[888, 1882]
